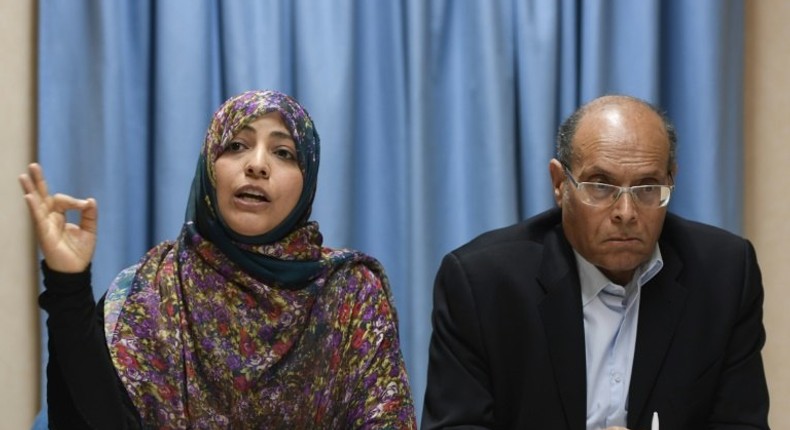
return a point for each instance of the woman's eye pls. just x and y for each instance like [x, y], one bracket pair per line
[234, 146]
[285, 154]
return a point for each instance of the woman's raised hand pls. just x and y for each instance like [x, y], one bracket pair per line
[66, 247]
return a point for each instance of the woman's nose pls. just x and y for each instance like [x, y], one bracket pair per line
[257, 164]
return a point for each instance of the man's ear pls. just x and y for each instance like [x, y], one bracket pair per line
[557, 173]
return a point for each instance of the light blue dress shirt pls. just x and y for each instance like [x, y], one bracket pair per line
[611, 314]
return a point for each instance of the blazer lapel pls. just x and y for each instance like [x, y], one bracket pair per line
[561, 313]
[661, 303]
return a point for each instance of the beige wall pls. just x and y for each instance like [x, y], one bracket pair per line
[18, 315]
[767, 181]
[767, 206]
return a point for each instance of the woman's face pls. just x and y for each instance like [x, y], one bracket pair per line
[258, 178]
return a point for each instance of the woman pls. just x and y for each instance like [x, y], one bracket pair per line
[244, 321]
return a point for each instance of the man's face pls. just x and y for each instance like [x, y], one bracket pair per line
[621, 144]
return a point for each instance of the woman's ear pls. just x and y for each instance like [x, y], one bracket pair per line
[557, 173]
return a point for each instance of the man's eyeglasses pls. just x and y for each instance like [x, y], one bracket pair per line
[604, 195]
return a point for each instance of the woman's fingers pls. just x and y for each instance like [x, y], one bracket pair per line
[90, 215]
[33, 181]
[41, 203]
[49, 211]
[36, 205]
[66, 247]
[35, 188]
[63, 202]
[37, 175]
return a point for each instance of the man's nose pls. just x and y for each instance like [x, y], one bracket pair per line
[624, 207]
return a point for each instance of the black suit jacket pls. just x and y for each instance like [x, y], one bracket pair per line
[507, 349]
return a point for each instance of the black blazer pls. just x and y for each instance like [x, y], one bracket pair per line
[507, 349]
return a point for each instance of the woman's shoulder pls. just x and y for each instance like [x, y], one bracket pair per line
[355, 272]
[351, 262]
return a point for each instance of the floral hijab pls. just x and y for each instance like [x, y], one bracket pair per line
[251, 252]
[219, 330]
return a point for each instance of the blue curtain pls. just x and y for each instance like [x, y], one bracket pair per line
[437, 117]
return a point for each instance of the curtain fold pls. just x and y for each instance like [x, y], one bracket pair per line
[437, 118]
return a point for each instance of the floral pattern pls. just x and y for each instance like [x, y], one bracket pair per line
[199, 341]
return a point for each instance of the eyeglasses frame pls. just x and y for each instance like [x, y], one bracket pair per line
[620, 190]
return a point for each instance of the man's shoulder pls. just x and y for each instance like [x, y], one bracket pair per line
[528, 233]
[678, 229]
[701, 245]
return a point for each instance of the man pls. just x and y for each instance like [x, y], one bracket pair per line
[600, 312]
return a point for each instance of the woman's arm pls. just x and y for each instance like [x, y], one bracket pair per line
[83, 389]
[382, 398]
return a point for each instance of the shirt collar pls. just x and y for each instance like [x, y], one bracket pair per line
[593, 281]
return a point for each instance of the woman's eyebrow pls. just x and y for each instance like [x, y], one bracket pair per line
[246, 128]
[279, 134]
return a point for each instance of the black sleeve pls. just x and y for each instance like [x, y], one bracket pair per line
[83, 389]
[458, 393]
[742, 394]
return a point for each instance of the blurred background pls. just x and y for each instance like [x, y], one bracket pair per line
[437, 121]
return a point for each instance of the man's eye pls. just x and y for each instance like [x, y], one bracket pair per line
[649, 189]
[600, 187]
[599, 190]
